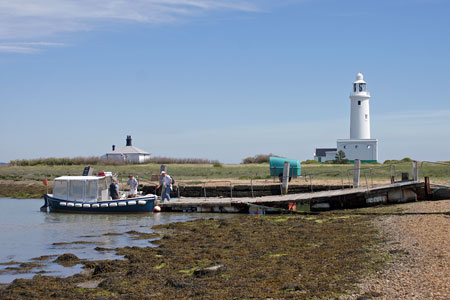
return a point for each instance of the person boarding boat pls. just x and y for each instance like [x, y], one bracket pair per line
[166, 183]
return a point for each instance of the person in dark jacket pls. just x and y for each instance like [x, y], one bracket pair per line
[113, 190]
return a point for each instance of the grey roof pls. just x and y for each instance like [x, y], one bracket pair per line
[128, 150]
[322, 151]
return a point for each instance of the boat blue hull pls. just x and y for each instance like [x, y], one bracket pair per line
[126, 206]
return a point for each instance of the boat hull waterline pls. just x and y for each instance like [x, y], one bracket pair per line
[144, 204]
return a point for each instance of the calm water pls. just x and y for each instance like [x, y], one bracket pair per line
[27, 233]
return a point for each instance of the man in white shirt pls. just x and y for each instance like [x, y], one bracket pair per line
[166, 183]
[132, 182]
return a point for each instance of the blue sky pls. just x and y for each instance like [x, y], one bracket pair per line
[221, 79]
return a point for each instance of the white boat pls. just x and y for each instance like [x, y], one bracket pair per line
[90, 194]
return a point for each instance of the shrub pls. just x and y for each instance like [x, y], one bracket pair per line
[64, 161]
[393, 161]
[95, 160]
[217, 164]
[340, 158]
[258, 159]
[311, 162]
[169, 160]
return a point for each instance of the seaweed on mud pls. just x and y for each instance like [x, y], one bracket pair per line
[289, 257]
[77, 243]
[67, 260]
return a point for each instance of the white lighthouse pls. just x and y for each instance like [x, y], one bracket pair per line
[359, 110]
[360, 145]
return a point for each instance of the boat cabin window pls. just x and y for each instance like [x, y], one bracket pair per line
[101, 185]
[76, 190]
[60, 189]
[91, 190]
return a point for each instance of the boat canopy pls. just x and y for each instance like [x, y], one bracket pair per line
[81, 188]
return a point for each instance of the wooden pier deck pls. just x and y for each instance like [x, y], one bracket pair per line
[335, 199]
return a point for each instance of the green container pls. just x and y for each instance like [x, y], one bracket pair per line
[277, 165]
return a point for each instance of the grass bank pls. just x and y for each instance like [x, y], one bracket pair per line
[323, 174]
[270, 257]
[210, 171]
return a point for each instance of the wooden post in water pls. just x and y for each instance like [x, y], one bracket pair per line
[356, 173]
[285, 183]
[415, 170]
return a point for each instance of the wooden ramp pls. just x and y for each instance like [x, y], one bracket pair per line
[336, 199]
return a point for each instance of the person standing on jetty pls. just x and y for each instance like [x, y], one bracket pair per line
[166, 182]
[132, 182]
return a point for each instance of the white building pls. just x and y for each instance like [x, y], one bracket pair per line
[360, 145]
[128, 153]
[324, 154]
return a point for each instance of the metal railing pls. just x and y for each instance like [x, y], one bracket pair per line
[423, 172]
[371, 175]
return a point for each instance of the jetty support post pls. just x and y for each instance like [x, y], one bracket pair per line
[285, 183]
[356, 173]
[428, 191]
[415, 170]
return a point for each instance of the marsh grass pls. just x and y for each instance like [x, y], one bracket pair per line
[217, 170]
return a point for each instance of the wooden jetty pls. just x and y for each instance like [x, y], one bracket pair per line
[345, 198]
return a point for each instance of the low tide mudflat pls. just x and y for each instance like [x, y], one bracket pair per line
[280, 257]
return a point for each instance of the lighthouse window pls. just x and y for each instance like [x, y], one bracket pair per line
[356, 146]
[359, 102]
[366, 116]
[354, 87]
[362, 87]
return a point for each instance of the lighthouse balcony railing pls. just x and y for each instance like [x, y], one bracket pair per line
[363, 93]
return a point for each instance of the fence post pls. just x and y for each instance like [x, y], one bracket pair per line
[415, 170]
[231, 190]
[356, 173]
[284, 188]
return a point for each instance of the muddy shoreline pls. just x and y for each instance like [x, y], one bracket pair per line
[280, 257]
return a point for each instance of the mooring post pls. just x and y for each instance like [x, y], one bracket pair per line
[428, 192]
[415, 170]
[284, 187]
[356, 173]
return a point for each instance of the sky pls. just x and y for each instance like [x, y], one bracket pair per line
[221, 79]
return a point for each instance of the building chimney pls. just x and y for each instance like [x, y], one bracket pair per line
[113, 147]
[128, 140]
